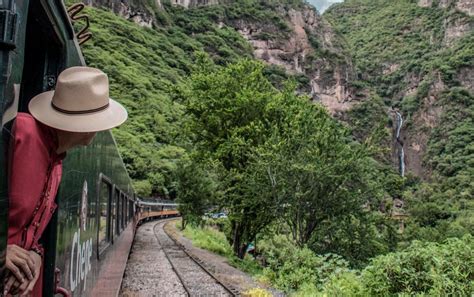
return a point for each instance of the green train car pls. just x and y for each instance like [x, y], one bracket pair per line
[88, 240]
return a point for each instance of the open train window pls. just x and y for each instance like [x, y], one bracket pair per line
[104, 204]
[44, 55]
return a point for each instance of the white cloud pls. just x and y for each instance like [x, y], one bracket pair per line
[322, 5]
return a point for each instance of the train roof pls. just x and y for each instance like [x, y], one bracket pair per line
[145, 203]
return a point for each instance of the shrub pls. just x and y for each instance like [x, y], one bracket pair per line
[291, 268]
[344, 284]
[431, 268]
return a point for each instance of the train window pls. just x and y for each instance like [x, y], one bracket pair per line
[124, 211]
[104, 197]
[121, 211]
[115, 216]
[129, 215]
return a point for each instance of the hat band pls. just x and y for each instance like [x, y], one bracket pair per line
[78, 111]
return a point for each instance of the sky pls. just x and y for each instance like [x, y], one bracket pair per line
[322, 5]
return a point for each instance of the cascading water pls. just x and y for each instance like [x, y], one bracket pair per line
[401, 155]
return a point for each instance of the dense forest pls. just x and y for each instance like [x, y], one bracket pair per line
[302, 146]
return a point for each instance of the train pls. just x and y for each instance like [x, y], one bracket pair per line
[88, 240]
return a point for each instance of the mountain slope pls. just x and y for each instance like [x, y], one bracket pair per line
[417, 58]
[409, 53]
[145, 63]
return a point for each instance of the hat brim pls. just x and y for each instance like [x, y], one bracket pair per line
[41, 109]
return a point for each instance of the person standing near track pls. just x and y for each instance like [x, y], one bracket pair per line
[60, 120]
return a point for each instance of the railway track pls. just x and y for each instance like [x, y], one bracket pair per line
[195, 278]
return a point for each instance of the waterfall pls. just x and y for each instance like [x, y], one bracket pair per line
[401, 155]
[402, 162]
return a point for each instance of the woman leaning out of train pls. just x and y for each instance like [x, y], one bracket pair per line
[62, 119]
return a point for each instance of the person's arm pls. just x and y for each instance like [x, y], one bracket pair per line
[25, 185]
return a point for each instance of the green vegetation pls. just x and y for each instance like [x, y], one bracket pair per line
[221, 132]
[210, 238]
[398, 47]
[144, 65]
[275, 156]
[402, 54]
[430, 269]
[422, 269]
[445, 208]
[197, 191]
[384, 34]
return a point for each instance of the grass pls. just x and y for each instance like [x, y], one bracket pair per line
[209, 239]
[213, 240]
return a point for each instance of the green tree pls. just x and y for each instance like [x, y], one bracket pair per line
[229, 120]
[196, 190]
[322, 183]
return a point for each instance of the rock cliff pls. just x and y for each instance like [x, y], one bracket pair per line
[456, 25]
[466, 6]
[194, 3]
[311, 49]
[134, 10]
[418, 52]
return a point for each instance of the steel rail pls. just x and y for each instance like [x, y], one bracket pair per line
[199, 262]
[169, 260]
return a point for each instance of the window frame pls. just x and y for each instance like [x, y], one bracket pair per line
[103, 179]
[117, 195]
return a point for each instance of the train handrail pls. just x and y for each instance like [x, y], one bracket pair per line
[57, 289]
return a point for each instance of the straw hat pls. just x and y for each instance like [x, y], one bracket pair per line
[80, 103]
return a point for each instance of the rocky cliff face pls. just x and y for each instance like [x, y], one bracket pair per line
[427, 117]
[423, 121]
[194, 3]
[310, 50]
[133, 10]
[380, 35]
[456, 25]
[466, 6]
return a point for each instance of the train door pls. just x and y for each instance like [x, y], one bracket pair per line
[29, 66]
[13, 16]
[36, 43]
[43, 63]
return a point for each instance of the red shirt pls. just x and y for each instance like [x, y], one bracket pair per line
[35, 171]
